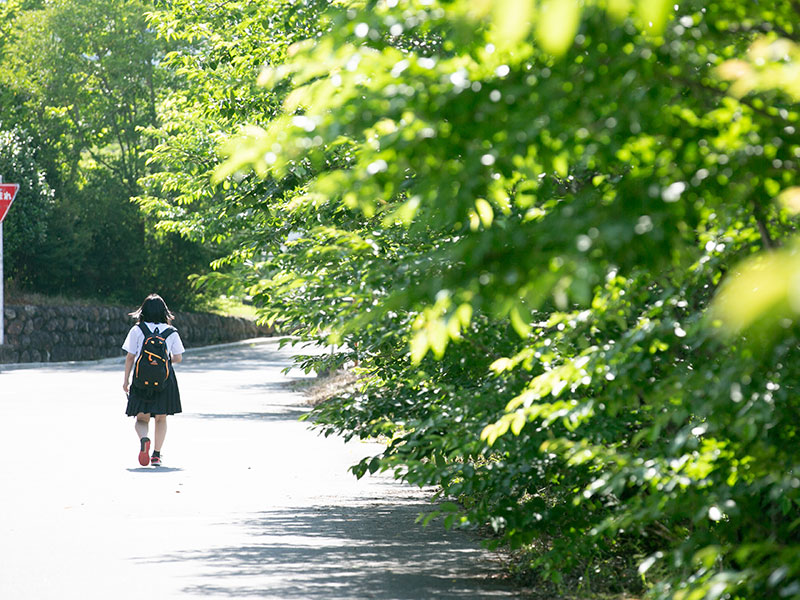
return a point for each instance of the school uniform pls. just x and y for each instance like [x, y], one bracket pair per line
[166, 401]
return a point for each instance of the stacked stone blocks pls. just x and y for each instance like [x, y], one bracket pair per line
[65, 333]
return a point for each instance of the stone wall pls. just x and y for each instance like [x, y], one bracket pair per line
[65, 333]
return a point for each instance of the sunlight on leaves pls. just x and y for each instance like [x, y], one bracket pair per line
[766, 285]
[557, 24]
[512, 22]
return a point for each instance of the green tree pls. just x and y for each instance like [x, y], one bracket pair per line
[88, 71]
[514, 217]
[218, 51]
[24, 228]
[86, 79]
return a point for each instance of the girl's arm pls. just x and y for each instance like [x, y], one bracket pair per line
[176, 358]
[128, 367]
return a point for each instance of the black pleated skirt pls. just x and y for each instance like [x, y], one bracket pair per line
[163, 402]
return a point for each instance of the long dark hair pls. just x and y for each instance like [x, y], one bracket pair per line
[153, 310]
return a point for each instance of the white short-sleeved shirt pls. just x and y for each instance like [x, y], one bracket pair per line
[133, 343]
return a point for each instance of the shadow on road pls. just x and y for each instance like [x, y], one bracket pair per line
[242, 358]
[286, 384]
[236, 357]
[337, 552]
[154, 470]
[287, 414]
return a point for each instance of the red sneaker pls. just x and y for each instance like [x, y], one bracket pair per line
[155, 461]
[144, 452]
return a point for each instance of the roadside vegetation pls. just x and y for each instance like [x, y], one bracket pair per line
[554, 240]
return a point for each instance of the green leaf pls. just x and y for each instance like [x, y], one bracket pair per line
[561, 164]
[518, 422]
[519, 321]
[557, 25]
[654, 14]
[512, 22]
[485, 212]
[419, 347]
[760, 286]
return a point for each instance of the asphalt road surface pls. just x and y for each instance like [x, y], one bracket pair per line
[250, 503]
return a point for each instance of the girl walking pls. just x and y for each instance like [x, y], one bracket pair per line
[152, 317]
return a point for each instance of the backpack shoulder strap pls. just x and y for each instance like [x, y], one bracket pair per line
[144, 329]
[167, 332]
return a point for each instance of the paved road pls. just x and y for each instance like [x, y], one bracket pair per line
[250, 502]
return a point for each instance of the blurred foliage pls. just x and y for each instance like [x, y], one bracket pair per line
[513, 218]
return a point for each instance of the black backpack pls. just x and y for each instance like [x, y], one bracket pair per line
[153, 366]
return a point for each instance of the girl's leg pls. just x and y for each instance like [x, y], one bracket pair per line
[142, 427]
[161, 431]
[142, 424]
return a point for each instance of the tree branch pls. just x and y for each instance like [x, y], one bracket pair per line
[766, 238]
[765, 28]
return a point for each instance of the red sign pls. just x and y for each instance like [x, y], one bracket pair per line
[8, 191]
